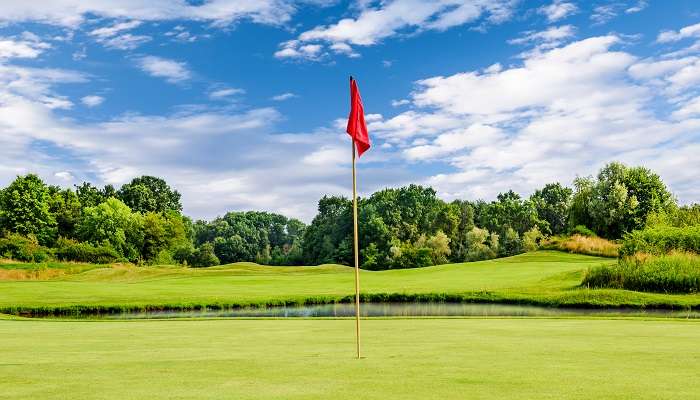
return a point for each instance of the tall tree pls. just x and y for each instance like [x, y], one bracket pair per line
[149, 193]
[24, 208]
[552, 203]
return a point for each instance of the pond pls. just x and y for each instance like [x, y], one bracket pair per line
[398, 310]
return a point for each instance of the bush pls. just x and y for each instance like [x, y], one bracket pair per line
[204, 256]
[661, 240]
[71, 250]
[592, 246]
[582, 231]
[18, 247]
[671, 273]
[532, 239]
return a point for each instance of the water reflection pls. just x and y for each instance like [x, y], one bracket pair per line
[400, 310]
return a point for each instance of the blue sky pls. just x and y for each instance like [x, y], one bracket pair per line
[240, 104]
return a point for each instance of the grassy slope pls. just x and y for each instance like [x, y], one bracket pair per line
[313, 359]
[545, 277]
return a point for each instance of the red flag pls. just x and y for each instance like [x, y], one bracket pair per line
[357, 129]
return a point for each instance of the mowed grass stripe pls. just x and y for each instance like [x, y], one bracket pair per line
[313, 359]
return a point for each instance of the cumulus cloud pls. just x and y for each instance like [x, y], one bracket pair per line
[388, 19]
[564, 111]
[27, 45]
[691, 31]
[558, 10]
[171, 70]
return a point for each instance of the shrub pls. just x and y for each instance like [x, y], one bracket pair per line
[661, 240]
[18, 247]
[582, 230]
[593, 246]
[532, 239]
[204, 256]
[671, 273]
[71, 250]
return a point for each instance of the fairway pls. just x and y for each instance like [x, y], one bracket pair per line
[313, 359]
[544, 277]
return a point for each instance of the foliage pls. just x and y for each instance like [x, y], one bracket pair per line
[22, 248]
[620, 200]
[482, 246]
[661, 240]
[149, 194]
[72, 250]
[24, 209]
[552, 203]
[204, 256]
[670, 273]
[532, 239]
[581, 230]
[113, 223]
[676, 216]
[578, 244]
[252, 236]
[91, 196]
[508, 211]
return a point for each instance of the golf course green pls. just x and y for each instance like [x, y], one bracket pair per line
[468, 358]
[544, 277]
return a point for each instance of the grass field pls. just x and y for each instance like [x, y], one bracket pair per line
[313, 359]
[545, 277]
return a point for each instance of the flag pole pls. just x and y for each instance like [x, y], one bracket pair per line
[357, 255]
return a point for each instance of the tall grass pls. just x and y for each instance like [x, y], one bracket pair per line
[676, 272]
[589, 245]
[660, 240]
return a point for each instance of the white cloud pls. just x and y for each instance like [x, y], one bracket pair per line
[220, 159]
[113, 36]
[691, 31]
[28, 47]
[92, 100]
[71, 13]
[564, 111]
[113, 30]
[225, 93]
[391, 18]
[544, 40]
[284, 96]
[171, 70]
[64, 175]
[558, 10]
[604, 13]
[640, 6]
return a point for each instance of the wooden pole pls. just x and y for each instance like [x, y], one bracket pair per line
[357, 254]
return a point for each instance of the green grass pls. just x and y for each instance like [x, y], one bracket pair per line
[545, 277]
[314, 359]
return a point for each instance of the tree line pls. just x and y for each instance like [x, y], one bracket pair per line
[142, 222]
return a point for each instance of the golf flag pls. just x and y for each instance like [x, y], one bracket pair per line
[357, 129]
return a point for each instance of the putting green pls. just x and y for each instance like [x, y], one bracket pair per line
[313, 359]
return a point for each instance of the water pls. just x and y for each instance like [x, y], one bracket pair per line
[399, 310]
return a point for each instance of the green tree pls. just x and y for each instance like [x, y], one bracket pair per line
[620, 200]
[66, 209]
[25, 209]
[552, 203]
[149, 193]
[204, 256]
[112, 222]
